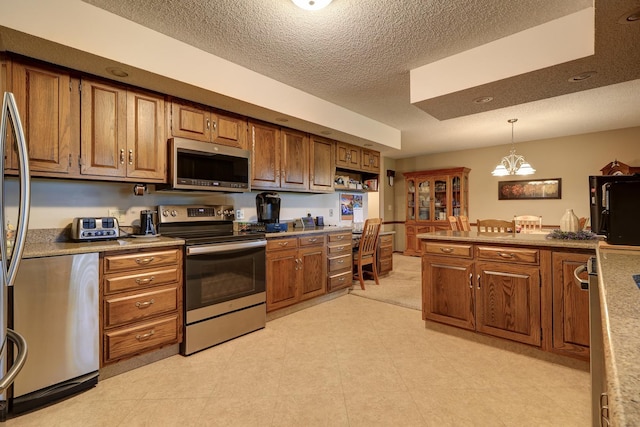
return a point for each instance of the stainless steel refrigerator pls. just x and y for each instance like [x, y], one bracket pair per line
[11, 255]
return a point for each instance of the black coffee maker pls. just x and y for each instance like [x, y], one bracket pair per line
[268, 206]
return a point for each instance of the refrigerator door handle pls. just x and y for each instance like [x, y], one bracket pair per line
[10, 109]
[18, 363]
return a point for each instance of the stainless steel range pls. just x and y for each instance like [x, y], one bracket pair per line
[224, 274]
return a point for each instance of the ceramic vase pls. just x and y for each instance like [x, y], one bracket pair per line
[569, 221]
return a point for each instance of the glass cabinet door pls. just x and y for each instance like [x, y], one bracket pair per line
[456, 196]
[411, 200]
[440, 198]
[424, 199]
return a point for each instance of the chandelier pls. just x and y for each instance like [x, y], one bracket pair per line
[513, 164]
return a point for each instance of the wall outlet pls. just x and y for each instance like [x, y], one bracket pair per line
[239, 213]
[330, 212]
[119, 214]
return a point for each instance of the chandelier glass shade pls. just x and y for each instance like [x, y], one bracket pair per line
[513, 164]
[312, 4]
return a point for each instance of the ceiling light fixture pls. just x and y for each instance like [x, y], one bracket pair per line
[118, 72]
[582, 76]
[513, 164]
[311, 4]
[631, 17]
[483, 100]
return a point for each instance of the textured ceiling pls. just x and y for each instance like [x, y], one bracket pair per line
[357, 54]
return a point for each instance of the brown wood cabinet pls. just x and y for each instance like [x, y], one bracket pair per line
[495, 291]
[570, 334]
[193, 121]
[322, 164]
[370, 161]
[296, 270]
[431, 197]
[122, 133]
[141, 302]
[339, 260]
[348, 156]
[47, 101]
[385, 254]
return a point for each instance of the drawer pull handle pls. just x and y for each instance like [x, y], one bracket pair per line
[144, 304]
[339, 248]
[144, 260]
[313, 240]
[283, 243]
[340, 261]
[506, 255]
[145, 281]
[446, 250]
[339, 237]
[341, 279]
[145, 336]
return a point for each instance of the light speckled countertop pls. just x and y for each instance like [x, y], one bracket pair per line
[297, 232]
[520, 239]
[620, 306]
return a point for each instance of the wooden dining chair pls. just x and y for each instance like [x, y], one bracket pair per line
[463, 223]
[496, 226]
[528, 223]
[366, 251]
[453, 221]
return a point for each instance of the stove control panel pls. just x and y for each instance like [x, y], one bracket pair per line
[194, 213]
[90, 229]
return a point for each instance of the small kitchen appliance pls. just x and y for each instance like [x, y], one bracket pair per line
[268, 206]
[597, 198]
[620, 215]
[89, 229]
[147, 224]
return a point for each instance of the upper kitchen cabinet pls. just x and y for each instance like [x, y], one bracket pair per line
[48, 102]
[348, 156]
[370, 161]
[122, 133]
[265, 155]
[202, 123]
[359, 166]
[433, 196]
[322, 164]
[294, 174]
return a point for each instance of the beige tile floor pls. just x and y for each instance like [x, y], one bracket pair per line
[350, 361]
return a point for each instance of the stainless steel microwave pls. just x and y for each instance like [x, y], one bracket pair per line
[204, 166]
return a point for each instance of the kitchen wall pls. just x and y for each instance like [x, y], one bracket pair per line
[571, 158]
[54, 203]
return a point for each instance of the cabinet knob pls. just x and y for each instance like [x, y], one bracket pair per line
[130, 157]
[122, 156]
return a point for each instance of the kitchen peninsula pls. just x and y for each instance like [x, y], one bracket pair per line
[519, 287]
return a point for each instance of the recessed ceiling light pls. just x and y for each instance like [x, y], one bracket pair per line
[582, 76]
[311, 4]
[326, 132]
[368, 145]
[282, 119]
[118, 72]
[483, 100]
[630, 17]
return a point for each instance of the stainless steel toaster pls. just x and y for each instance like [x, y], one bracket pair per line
[89, 229]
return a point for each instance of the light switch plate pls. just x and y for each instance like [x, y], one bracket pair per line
[239, 213]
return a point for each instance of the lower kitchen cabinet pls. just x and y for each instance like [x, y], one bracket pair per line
[296, 270]
[385, 254]
[570, 305]
[141, 302]
[339, 260]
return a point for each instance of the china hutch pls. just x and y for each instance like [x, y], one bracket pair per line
[433, 196]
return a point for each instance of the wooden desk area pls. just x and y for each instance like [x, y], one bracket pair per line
[384, 253]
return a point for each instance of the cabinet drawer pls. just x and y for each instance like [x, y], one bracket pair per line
[386, 265]
[528, 256]
[334, 250]
[340, 262]
[127, 282]
[340, 237]
[277, 244]
[457, 250]
[316, 239]
[140, 338]
[339, 281]
[128, 308]
[385, 252]
[386, 240]
[113, 263]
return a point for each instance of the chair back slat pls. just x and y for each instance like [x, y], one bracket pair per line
[496, 226]
[463, 223]
[369, 239]
[453, 222]
[528, 223]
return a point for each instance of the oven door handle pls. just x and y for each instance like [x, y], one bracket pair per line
[225, 247]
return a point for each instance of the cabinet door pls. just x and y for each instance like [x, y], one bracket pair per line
[347, 156]
[103, 129]
[282, 278]
[294, 171]
[44, 103]
[190, 121]
[411, 199]
[570, 306]
[312, 271]
[508, 301]
[322, 164]
[146, 143]
[424, 202]
[440, 199]
[370, 161]
[265, 155]
[447, 291]
[229, 130]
